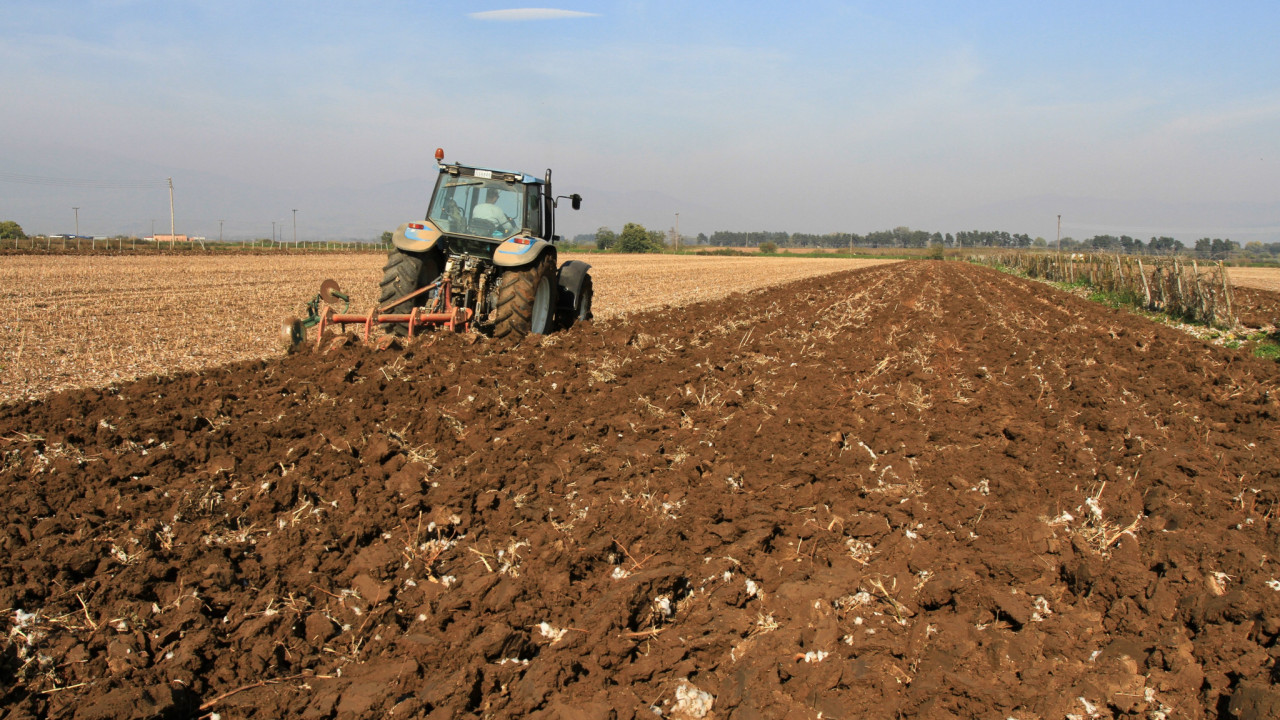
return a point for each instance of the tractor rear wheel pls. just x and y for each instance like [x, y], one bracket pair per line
[404, 273]
[526, 300]
[582, 311]
[585, 296]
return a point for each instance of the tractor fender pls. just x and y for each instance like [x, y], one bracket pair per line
[569, 279]
[415, 239]
[518, 251]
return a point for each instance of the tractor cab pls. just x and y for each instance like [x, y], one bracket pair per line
[488, 204]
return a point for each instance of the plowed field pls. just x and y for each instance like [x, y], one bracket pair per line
[917, 490]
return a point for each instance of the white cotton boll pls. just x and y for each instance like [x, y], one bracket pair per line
[1042, 610]
[552, 633]
[692, 702]
[663, 605]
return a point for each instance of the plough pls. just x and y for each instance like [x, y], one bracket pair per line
[323, 313]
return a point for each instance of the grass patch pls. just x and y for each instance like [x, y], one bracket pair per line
[1264, 345]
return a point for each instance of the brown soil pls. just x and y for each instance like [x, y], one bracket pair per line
[918, 490]
[1256, 308]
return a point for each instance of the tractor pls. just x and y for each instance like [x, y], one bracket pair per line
[483, 260]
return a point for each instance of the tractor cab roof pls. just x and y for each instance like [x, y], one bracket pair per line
[489, 173]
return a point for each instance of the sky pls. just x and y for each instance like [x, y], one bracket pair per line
[1137, 118]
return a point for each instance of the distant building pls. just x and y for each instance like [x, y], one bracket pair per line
[171, 238]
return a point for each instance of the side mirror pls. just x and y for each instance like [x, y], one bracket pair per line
[576, 199]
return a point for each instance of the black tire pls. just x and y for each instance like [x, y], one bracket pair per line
[570, 315]
[526, 300]
[585, 295]
[404, 273]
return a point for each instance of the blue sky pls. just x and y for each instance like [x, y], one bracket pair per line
[1138, 118]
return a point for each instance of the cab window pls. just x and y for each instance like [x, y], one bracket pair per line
[533, 209]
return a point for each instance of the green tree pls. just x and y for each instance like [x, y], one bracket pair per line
[605, 238]
[10, 230]
[636, 239]
[768, 248]
[387, 237]
[1222, 248]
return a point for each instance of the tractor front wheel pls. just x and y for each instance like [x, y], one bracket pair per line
[404, 273]
[526, 300]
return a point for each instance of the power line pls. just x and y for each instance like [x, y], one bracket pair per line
[21, 179]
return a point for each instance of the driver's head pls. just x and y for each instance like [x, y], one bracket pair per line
[491, 197]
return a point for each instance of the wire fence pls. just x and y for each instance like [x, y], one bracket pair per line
[59, 244]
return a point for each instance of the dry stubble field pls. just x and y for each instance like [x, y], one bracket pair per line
[1258, 278]
[89, 321]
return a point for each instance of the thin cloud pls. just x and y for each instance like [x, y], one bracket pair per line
[524, 14]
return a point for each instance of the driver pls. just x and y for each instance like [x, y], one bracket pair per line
[489, 210]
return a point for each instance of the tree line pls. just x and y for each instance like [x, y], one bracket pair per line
[635, 238]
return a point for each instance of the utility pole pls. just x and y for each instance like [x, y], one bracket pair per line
[677, 232]
[64, 240]
[220, 231]
[273, 232]
[295, 228]
[153, 233]
[1059, 233]
[171, 225]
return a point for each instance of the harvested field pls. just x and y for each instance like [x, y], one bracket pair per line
[917, 490]
[89, 321]
[1258, 278]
